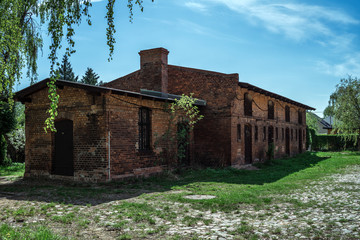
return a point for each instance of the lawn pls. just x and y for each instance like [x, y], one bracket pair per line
[14, 169]
[314, 195]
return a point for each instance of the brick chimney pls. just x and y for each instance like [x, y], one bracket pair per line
[154, 69]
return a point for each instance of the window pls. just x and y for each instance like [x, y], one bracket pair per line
[256, 133]
[270, 109]
[282, 134]
[296, 135]
[264, 133]
[144, 129]
[292, 134]
[277, 133]
[300, 120]
[247, 104]
[287, 114]
[238, 132]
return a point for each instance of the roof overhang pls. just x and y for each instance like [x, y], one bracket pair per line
[24, 95]
[273, 95]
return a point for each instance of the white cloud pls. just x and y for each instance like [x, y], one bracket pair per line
[196, 6]
[349, 66]
[296, 21]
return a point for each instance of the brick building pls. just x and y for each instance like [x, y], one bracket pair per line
[111, 131]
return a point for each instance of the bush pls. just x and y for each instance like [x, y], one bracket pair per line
[331, 143]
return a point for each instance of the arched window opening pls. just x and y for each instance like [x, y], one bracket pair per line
[287, 114]
[270, 109]
[300, 117]
[247, 105]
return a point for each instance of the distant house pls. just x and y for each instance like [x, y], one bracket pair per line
[324, 125]
[111, 132]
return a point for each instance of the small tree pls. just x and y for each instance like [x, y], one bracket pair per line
[90, 77]
[65, 70]
[344, 106]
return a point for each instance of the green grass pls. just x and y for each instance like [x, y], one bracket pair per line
[233, 187]
[15, 169]
[25, 233]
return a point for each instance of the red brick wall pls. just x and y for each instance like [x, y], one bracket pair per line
[126, 158]
[94, 118]
[89, 135]
[260, 118]
[212, 135]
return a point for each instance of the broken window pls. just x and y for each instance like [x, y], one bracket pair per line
[287, 114]
[270, 109]
[144, 129]
[247, 105]
[238, 132]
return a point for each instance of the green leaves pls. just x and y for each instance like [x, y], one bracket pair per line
[344, 106]
[20, 39]
[186, 103]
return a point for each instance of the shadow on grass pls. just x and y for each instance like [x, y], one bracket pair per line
[82, 193]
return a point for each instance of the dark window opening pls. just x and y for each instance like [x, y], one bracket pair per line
[264, 133]
[282, 134]
[256, 133]
[238, 132]
[300, 116]
[277, 133]
[295, 135]
[292, 134]
[270, 110]
[287, 114]
[247, 105]
[144, 129]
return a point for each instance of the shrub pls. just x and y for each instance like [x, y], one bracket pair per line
[331, 143]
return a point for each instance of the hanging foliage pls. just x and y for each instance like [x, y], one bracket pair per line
[20, 39]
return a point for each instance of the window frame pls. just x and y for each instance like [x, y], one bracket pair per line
[144, 129]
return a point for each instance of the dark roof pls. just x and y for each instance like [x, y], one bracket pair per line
[324, 123]
[23, 95]
[274, 95]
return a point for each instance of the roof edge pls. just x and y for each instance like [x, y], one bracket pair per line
[274, 95]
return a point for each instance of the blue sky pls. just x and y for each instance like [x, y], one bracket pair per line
[296, 48]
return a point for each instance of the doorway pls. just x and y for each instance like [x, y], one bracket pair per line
[63, 162]
[287, 141]
[248, 144]
[183, 143]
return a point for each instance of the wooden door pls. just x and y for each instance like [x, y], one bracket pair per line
[63, 162]
[248, 144]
